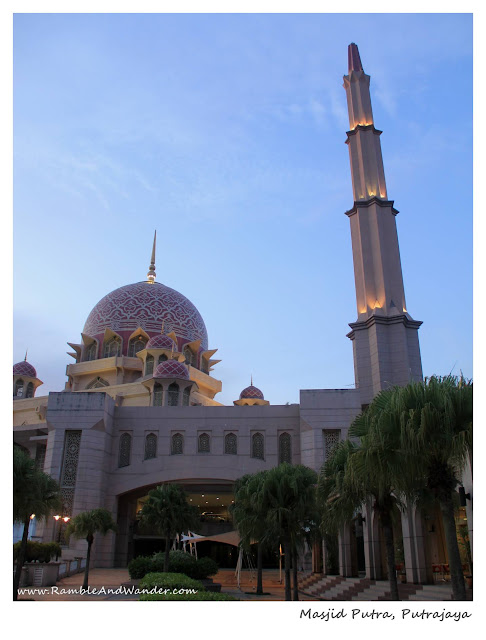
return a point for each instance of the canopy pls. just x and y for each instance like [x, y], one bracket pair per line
[231, 537]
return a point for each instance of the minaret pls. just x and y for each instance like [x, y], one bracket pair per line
[385, 337]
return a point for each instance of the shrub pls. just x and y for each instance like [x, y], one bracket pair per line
[206, 567]
[140, 566]
[169, 581]
[201, 595]
[38, 551]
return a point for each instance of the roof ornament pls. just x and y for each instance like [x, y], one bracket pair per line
[25, 359]
[162, 329]
[354, 60]
[251, 380]
[151, 272]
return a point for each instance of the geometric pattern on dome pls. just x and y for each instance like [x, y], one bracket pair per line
[160, 342]
[171, 369]
[24, 369]
[251, 392]
[148, 306]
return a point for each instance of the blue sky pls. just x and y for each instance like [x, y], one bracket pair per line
[226, 133]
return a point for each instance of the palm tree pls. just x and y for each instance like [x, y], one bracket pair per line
[249, 517]
[169, 513]
[436, 417]
[85, 525]
[289, 500]
[35, 492]
[357, 473]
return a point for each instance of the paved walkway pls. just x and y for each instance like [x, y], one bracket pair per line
[312, 587]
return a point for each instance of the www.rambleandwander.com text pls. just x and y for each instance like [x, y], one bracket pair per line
[100, 591]
[404, 614]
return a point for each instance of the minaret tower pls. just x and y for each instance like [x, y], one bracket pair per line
[385, 337]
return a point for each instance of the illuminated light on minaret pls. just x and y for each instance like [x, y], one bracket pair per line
[385, 337]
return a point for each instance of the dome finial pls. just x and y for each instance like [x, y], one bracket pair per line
[25, 359]
[251, 380]
[151, 272]
[162, 328]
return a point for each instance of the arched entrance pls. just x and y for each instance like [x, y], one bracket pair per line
[211, 498]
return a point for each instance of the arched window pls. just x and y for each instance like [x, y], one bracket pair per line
[285, 448]
[90, 352]
[158, 390]
[177, 444]
[125, 450]
[149, 365]
[173, 400]
[97, 383]
[19, 388]
[30, 390]
[185, 396]
[162, 358]
[112, 347]
[189, 356]
[257, 449]
[230, 444]
[135, 345]
[150, 446]
[203, 443]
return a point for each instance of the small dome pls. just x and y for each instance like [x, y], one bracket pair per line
[171, 369]
[24, 369]
[251, 392]
[161, 341]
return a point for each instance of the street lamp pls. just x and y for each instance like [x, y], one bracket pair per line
[64, 520]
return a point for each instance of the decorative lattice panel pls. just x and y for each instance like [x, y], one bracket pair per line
[72, 443]
[257, 446]
[40, 456]
[331, 440]
[125, 450]
[177, 444]
[285, 448]
[150, 446]
[203, 443]
[230, 444]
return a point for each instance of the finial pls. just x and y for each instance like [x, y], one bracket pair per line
[354, 61]
[25, 359]
[151, 272]
[251, 380]
[162, 329]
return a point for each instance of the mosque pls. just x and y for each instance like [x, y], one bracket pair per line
[139, 406]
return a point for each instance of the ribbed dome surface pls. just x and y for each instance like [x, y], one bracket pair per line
[161, 342]
[251, 392]
[24, 369]
[149, 306]
[171, 369]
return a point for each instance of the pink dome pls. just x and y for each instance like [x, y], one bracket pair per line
[24, 369]
[161, 342]
[171, 369]
[251, 392]
[148, 306]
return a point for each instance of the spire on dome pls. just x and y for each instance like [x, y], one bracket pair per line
[151, 272]
[25, 359]
[354, 61]
[251, 380]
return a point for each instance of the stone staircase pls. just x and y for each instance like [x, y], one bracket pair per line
[339, 588]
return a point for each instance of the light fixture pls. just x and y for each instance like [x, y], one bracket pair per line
[32, 516]
[202, 495]
[66, 518]
[56, 518]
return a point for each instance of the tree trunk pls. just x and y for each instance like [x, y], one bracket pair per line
[390, 554]
[89, 539]
[287, 552]
[294, 571]
[167, 549]
[259, 589]
[21, 558]
[455, 565]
